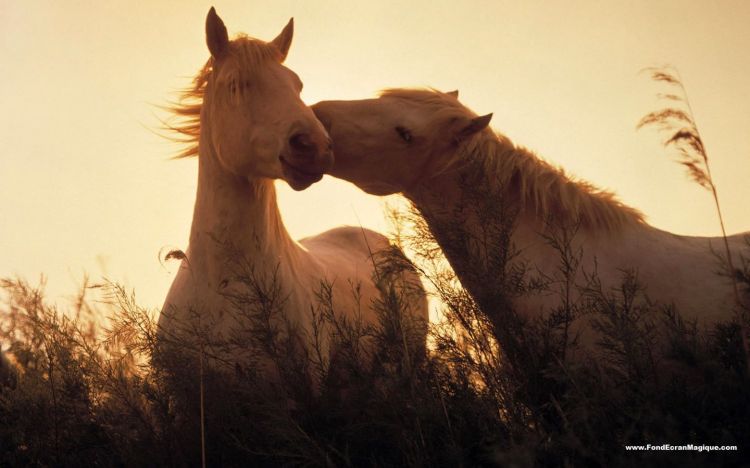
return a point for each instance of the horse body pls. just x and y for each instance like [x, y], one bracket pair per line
[248, 127]
[457, 172]
[241, 223]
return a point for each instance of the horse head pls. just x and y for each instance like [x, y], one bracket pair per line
[387, 145]
[259, 126]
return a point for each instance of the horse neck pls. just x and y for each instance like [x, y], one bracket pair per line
[449, 206]
[466, 197]
[236, 218]
[477, 215]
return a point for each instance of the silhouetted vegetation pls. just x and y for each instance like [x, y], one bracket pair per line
[677, 120]
[85, 391]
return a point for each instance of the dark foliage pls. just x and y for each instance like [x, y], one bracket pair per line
[80, 392]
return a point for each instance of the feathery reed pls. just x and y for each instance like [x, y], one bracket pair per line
[678, 121]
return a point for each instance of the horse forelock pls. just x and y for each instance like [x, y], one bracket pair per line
[246, 56]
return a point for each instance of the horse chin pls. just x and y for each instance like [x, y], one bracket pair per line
[378, 189]
[299, 185]
[298, 179]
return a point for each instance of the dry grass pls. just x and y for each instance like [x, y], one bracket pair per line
[678, 122]
[111, 394]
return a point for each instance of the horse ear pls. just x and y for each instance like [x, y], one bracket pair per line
[284, 39]
[475, 125]
[217, 38]
[453, 93]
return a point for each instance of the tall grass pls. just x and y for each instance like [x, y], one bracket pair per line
[114, 392]
[677, 120]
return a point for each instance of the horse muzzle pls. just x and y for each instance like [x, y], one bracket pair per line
[299, 177]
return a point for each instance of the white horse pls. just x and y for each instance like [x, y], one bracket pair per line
[428, 146]
[245, 121]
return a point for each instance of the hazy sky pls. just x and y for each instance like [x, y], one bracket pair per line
[86, 186]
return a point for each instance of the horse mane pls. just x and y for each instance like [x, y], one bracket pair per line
[546, 190]
[430, 96]
[538, 187]
[246, 54]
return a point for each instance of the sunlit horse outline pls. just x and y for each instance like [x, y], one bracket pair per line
[245, 121]
[426, 145]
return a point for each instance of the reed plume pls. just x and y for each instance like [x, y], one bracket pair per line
[678, 122]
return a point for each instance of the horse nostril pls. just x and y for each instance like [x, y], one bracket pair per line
[301, 142]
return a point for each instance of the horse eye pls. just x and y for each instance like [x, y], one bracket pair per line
[238, 86]
[404, 134]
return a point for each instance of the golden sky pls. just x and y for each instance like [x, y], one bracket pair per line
[86, 186]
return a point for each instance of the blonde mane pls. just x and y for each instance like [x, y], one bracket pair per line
[245, 56]
[538, 187]
[545, 190]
